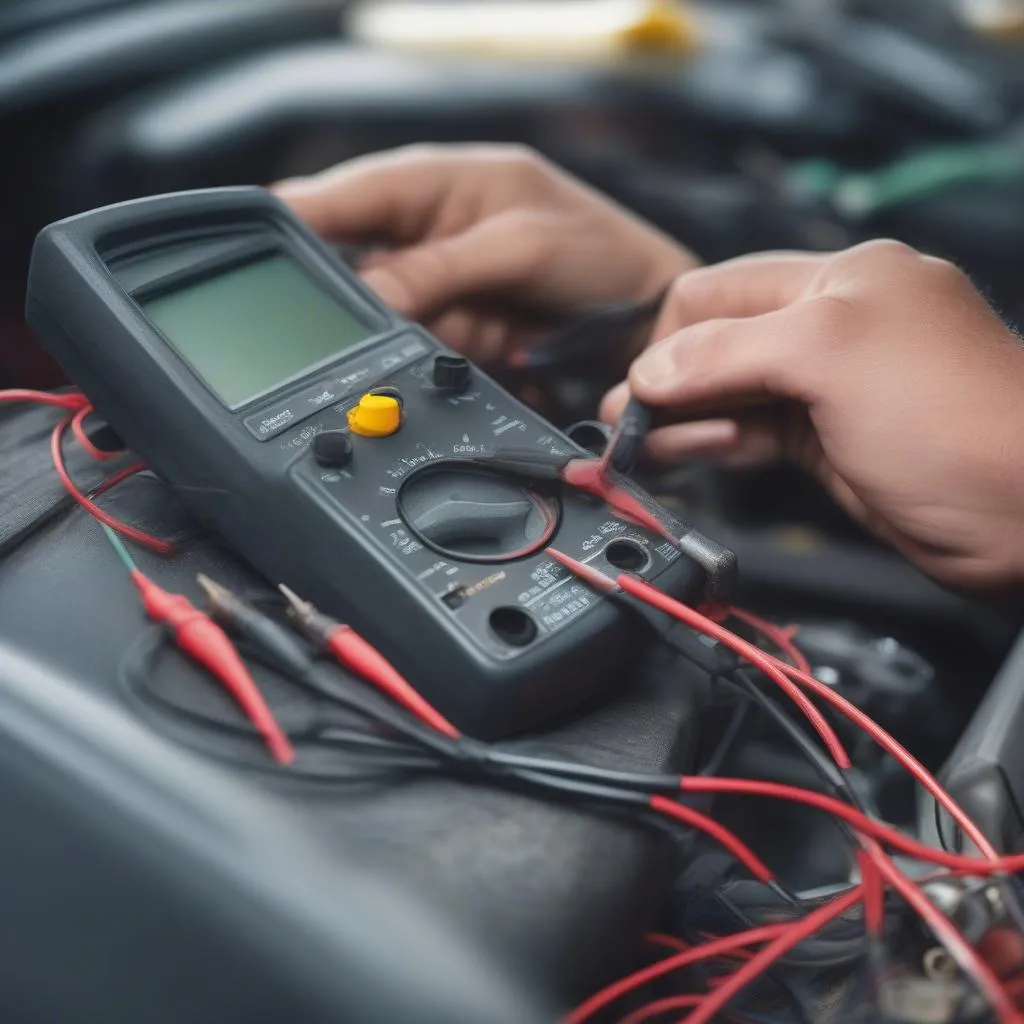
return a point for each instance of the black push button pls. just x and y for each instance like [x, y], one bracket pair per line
[333, 449]
[452, 373]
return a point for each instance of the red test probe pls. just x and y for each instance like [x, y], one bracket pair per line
[199, 637]
[357, 655]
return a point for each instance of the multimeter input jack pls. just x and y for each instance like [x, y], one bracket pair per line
[627, 556]
[513, 626]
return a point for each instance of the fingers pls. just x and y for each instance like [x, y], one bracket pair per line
[744, 287]
[761, 437]
[749, 435]
[391, 195]
[733, 437]
[700, 438]
[485, 339]
[494, 255]
[721, 364]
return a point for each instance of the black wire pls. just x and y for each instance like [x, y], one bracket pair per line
[563, 776]
[427, 749]
[645, 783]
[732, 730]
[836, 779]
[659, 782]
[401, 755]
[775, 971]
[422, 749]
[322, 680]
[140, 658]
[940, 827]
[827, 770]
[337, 735]
[552, 783]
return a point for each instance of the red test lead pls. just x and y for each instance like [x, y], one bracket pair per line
[78, 407]
[357, 655]
[208, 645]
[70, 400]
[105, 519]
[198, 636]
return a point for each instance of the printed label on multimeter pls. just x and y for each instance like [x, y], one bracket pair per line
[285, 413]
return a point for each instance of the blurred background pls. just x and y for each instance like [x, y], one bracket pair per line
[735, 126]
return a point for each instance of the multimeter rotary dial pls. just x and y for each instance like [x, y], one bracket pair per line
[471, 515]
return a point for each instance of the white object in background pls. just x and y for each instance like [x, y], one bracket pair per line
[534, 29]
[994, 17]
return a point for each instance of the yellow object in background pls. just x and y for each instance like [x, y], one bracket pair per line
[375, 416]
[584, 30]
[663, 28]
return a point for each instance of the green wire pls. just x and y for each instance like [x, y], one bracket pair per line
[118, 545]
[919, 175]
[929, 173]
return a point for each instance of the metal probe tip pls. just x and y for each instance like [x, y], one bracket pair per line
[217, 595]
[297, 604]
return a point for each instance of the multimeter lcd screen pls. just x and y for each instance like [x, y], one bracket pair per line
[250, 329]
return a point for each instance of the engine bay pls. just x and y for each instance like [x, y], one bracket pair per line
[157, 855]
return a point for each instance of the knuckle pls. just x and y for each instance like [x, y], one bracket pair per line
[417, 273]
[522, 163]
[944, 271]
[699, 347]
[679, 290]
[828, 322]
[532, 247]
[433, 263]
[678, 296]
[422, 152]
[888, 249]
[518, 154]
[869, 257]
[865, 266]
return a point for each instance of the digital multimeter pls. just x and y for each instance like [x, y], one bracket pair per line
[314, 430]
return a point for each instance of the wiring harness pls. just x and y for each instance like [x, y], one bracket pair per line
[391, 728]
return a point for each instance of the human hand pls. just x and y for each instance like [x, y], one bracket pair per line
[881, 371]
[476, 236]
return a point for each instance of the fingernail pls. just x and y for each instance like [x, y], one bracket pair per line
[657, 368]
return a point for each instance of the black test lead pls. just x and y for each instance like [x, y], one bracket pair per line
[351, 651]
[198, 636]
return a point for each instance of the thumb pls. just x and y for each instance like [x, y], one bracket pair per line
[424, 280]
[724, 364]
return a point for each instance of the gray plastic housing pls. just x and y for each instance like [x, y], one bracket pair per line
[985, 772]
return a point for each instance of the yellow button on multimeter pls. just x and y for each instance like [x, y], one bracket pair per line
[376, 415]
